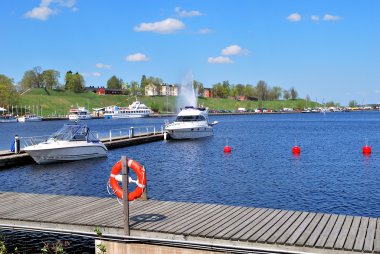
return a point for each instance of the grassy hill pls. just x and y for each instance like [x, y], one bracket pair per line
[59, 102]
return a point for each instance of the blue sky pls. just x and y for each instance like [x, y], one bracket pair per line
[329, 50]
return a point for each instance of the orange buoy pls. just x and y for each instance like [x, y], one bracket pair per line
[227, 149]
[296, 150]
[367, 150]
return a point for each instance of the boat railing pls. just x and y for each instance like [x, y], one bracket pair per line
[31, 141]
[133, 132]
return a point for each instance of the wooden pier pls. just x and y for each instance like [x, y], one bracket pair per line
[245, 227]
[9, 159]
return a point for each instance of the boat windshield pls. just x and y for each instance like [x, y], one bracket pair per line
[190, 118]
[74, 132]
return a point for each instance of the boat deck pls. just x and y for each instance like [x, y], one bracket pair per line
[247, 227]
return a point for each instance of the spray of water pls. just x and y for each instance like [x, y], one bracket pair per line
[187, 95]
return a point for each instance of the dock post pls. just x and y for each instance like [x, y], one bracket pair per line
[165, 133]
[17, 144]
[124, 173]
[131, 132]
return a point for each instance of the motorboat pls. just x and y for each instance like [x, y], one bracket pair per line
[74, 141]
[135, 110]
[191, 123]
[29, 118]
[6, 118]
[79, 113]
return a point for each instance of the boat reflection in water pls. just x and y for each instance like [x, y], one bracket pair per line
[74, 141]
[191, 123]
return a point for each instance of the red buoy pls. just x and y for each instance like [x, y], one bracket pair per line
[367, 150]
[296, 150]
[227, 149]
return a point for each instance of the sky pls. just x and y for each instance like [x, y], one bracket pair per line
[328, 50]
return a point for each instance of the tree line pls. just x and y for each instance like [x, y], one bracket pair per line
[49, 79]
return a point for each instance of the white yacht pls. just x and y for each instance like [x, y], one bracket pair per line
[29, 118]
[191, 123]
[80, 113]
[74, 141]
[136, 109]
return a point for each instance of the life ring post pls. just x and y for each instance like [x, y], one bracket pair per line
[124, 173]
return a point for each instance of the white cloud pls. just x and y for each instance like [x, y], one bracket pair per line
[205, 31]
[294, 17]
[328, 17]
[50, 7]
[234, 50]
[138, 57]
[182, 13]
[41, 13]
[166, 26]
[220, 60]
[103, 66]
[92, 74]
[315, 18]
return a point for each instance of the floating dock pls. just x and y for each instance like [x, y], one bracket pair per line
[245, 228]
[9, 159]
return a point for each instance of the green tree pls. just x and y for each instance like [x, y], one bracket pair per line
[74, 82]
[239, 90]
[353, 103]
[262, 90]
[293, 93]
[50, 78]
[286, 95]
[134, 88]
[114, 83]
[249, 91]
[198, 86]
[8, 93]
[275, 93]
[29, 80]
[144, 82]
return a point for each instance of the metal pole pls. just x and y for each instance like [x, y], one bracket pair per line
[124, 174]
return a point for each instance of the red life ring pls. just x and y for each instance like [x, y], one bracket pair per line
[141, 179]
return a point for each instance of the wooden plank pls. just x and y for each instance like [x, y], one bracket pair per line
[343, 233]
[243, 223]
[301, 241]
[184, 219]
[326, 231]
[359, 242]
[376, 245]
[231, 224]
[348, 245]
[284, 227]
[370, 236]
[318, 230]
[214, 226]
[263, 238]
[267, 226]
[204, 216]
[335, 232]
[259, 225]
[300, 229]
[286, 235]
[242, 229]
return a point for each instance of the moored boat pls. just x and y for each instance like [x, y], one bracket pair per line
[135, 110]
[6, 118]
[74, 141]
[80, 113]
[29, 118]
[191, 123]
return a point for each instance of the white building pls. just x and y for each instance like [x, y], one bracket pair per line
[165, 89]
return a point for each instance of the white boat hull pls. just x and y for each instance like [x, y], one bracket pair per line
[31, 119]
[78, 117]
[45, 153]
[8, 120]
[124, 116]
[190, 133]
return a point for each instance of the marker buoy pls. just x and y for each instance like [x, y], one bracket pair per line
[367, 150]
[296, 150]
[227, 149]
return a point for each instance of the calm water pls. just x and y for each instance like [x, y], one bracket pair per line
[331, 175]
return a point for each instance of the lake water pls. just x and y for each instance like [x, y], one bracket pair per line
[331, 175]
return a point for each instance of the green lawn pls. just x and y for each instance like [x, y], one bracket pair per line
[59, 102]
